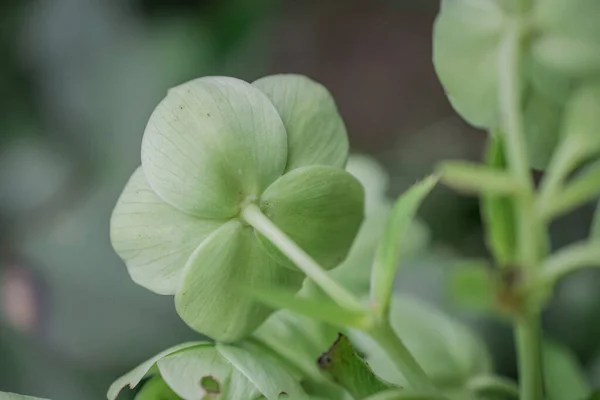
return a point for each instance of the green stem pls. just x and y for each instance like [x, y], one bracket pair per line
[527, 331]
[488, 385]
[395, 349]
[254, 216]
[527, 335]
[570, 259]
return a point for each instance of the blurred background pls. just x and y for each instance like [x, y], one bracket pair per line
[79, 79]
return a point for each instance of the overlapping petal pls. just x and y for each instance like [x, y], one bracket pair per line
[321, 208]
[153, 238]
[212, 142]
[316, 132]
[212, 300]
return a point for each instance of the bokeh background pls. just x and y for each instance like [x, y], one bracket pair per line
[78, 81]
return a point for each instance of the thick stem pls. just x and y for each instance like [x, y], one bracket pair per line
[395, 349]
[253, 215]
[527, 331]
[527, 335]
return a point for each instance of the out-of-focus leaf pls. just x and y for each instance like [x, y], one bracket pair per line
[472, 286]
[390, 248]
[596, 223]
[449, 352]
[465, 54]
[497, 211]
[564, 378]
[345, 367]
[14, 396]
[402, 394]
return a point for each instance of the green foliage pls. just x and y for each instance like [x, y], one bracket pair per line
[13, 396]
[448, 351]
[343, 365]
[390, 247]
[563, 377]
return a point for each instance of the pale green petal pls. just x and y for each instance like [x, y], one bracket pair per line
[184, 371]
[211, 143]
[156, 389]
[241, 373]
[212, 300]
[135, 376]
[269, 376]
[465, 48]
[154, 238]
[321, 208]
[316, 132]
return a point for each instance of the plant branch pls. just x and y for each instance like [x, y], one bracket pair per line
[253, 215]
[527, 331]
[395, 349]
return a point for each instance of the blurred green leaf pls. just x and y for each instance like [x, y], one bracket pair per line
[595, 232]
[497, 211]
[448, 351]
[402, 394]
[156, 388]
[391, 246]
[465, 56]
[578, 191]
[345, 367]
[14, 396]
[321, 309]
[472, 286]
[564, 378]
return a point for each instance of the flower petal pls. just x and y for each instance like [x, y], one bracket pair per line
[316, 132]
[212, 142]
[321, 208]
[154, 238]
[135, 376]
[210, 299]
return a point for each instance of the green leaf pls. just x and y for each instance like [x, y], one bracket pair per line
[156, 388]
[211, 299]
[569, 259]
[299, 340]
[563, 376]
[345, 367]
[316, 132]
[135, 376]
[321, 208]
[154, 238]
[569, 36]
[449, 352]
[497, 211]
[466, 38]
[318, 308]
[403, 394]
[237, 373]
[580, 190]
[391, 246]
[211, 143]
[582, 120]
[542, 119]
[472, 286]
[476, 178]
[595, 231]
[14, 396]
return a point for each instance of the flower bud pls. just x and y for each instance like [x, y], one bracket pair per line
[211, 147]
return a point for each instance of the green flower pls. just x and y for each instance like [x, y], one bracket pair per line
[211, 148]
[201, 370]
